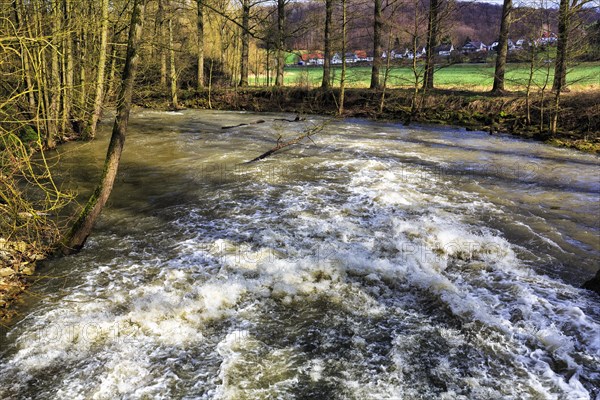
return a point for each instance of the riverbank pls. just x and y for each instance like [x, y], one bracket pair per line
[578, 128]
[17, 264]
[375, 244]
[578, 123]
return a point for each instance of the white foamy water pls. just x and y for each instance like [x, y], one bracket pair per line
[381, 262]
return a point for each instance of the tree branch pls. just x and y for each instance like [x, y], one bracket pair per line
[307, 134]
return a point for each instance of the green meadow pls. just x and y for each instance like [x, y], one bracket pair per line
[477, 77]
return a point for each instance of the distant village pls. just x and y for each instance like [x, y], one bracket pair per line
[445, 50]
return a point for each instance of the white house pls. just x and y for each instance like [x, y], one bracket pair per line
[351, 58]
[396, 54]
[337, 58]
[444, 50]
[409, 54]
[474, 46]
[511, 46]
[312, 59]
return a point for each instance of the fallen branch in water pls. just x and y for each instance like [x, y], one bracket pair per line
[307, 134]
[260, 121]
[297, 119]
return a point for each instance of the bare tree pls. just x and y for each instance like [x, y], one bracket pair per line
[394, 7]
[67, 66]
[55, 92]
[101, 68]
[502, 49]
[432, 37]
[245, 42]
[280, 42]
[343, 73]
[82, 228]
[159, 31]
[567, 13]
[377, 30]
[564, 19]
[25, 57]
[173, 70]
[326, 82]
[200, 32]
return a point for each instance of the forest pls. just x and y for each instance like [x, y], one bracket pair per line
[63, 59]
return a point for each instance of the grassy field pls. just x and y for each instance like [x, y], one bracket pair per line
[477, 77]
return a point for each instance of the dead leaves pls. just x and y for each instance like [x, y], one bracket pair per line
[17, 261]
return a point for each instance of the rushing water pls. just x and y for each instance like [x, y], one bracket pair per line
[379, 262]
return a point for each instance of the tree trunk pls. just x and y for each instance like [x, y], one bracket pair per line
[54, 108]
[326, 82]
[200, 30]
[210, 72]
[68, 70]
[82, 75]
[432, 38]
[280, 42]
[101, 68]
[386, 74]
[82, 228]
[560, 69]
[256, 66]
[25, 60]
[415, 69]
[502, 48]
[377, 27]
[111, 75]
[245, 43]
[555, 112]
[173, 75]
[41, 71]
[268, 69]
[343, 74]
[528, 87]
[160, 32]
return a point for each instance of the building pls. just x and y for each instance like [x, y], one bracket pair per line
[444, 50]
[312, 59]
[474, 46]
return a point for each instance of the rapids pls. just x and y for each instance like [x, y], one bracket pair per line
[379, 262]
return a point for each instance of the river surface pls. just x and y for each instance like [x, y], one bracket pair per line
[379, 262]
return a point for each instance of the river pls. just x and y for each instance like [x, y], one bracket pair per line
[377, 262]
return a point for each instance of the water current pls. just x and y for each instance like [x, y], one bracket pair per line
[377, 262]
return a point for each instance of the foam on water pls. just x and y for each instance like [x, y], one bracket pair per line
[373, 280]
